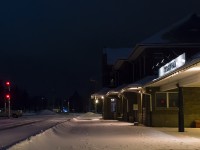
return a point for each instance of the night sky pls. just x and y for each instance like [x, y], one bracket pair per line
[56, 45]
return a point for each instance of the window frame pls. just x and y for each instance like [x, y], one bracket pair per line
[167, 101]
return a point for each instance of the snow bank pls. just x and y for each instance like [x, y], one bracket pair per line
[46, 112]
[29, 113]
[89, 116]
[42, 112]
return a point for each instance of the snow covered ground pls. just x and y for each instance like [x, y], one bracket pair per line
[90, 132]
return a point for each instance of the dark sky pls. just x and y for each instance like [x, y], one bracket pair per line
[57, 44]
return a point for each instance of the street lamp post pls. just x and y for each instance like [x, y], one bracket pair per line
[7, 97]
[9, 108]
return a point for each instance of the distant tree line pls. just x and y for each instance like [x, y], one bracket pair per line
[20, 100]
[77, 103]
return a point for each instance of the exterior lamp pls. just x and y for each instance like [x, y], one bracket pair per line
[112, 99]
[96, 102]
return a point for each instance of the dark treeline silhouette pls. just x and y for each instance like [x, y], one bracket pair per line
[20, 100]
[77, 103]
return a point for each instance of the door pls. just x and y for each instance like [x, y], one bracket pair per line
[146, 110]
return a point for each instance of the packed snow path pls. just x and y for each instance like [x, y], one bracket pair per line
[86, 134]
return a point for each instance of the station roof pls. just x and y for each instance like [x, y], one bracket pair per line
[138, 84]
[100, 93]
[119, 63]
[182, 33]
[116, 90]
[113, 54]
[186, 76]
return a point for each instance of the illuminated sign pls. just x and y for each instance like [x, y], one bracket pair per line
[172, 65]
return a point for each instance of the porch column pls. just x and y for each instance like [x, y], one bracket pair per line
[181, 110]
[122, 105]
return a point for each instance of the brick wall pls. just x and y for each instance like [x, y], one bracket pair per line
[191, 98]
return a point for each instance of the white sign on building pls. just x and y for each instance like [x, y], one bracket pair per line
[172, 65]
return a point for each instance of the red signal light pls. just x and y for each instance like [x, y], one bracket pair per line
[8, 83]
[8, 96]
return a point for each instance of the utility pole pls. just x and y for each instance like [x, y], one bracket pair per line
[7, 97]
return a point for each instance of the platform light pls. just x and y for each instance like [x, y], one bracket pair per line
[112, 99]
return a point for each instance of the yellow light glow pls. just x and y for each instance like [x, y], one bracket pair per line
[112, 99]
[134, 88]
[194, 69]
